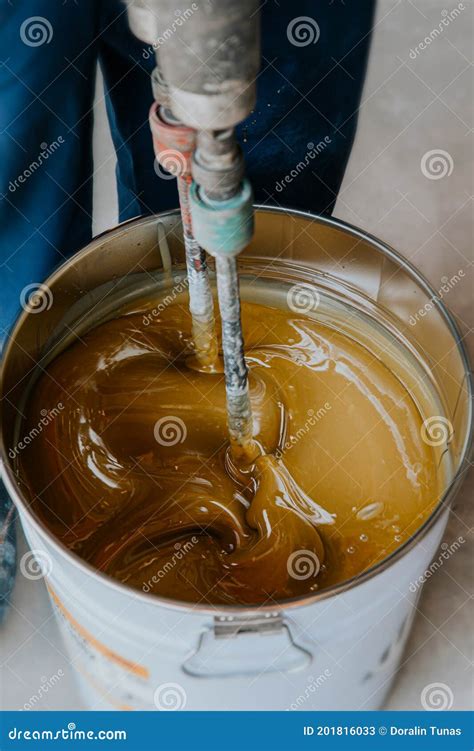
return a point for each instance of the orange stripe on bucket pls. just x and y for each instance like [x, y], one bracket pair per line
[132, 667]
[102, 691]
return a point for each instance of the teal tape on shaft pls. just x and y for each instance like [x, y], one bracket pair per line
[222, 227]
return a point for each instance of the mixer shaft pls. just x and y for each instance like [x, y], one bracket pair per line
[210, 68]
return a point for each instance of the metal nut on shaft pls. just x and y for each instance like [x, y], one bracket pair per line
[221, 200]
[218, 163]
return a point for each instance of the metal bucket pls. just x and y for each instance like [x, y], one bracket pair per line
[337, 649]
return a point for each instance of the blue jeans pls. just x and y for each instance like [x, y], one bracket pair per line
[297, 142]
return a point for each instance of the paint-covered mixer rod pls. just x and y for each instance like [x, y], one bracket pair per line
[210, 62]
[174, 144]
[222, 214]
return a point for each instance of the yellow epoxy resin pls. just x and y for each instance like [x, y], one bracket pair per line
[134, 474]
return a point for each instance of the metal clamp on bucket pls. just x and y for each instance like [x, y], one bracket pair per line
[247, 645]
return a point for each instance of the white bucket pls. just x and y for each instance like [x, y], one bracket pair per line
[334, 650]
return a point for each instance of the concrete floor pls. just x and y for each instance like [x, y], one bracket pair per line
[410, 106]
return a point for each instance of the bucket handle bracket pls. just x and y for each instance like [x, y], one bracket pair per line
[247, 645]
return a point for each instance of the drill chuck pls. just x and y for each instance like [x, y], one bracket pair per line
[211, 60]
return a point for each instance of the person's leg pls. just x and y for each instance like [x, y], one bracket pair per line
[298, 141]
[48, 54]
[126, 65]
[7, 549]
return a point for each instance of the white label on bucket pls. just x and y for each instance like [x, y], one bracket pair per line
[122, 683]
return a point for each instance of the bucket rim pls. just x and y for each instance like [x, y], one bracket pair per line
[150, 599]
